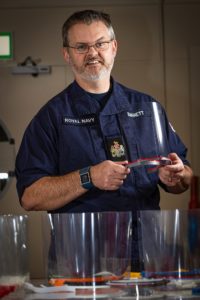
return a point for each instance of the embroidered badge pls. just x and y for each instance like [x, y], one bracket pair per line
[116, 148]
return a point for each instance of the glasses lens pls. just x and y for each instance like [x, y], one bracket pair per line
[102, 45]
[82, 48]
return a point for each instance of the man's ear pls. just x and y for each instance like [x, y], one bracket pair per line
[65, 54]
[115, 46]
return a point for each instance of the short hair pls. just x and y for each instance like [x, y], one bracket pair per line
[86, 17]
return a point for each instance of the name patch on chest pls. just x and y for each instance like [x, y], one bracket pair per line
[135, 114]
[84, 120]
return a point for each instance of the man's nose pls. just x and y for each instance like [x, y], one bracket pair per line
[92, 49]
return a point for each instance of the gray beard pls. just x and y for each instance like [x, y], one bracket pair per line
[93, 77]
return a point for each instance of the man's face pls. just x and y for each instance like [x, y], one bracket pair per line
[96, 63]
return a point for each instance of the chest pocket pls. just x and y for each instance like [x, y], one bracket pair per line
[139, 134]
[141, 139]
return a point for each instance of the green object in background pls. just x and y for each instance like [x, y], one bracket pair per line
[6, 46]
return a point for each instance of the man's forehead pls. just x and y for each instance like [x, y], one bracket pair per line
[87, 33]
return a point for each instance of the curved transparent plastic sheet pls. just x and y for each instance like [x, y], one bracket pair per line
[161, 146]
[170, 243]
[87, 247]
[163, 149]
[13, 250]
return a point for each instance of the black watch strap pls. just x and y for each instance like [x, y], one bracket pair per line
[85, 178]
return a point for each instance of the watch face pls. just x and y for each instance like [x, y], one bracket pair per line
[85, 178]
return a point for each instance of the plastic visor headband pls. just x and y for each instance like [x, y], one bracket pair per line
[154, 162]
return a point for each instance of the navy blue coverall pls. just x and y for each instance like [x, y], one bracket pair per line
[73, 131]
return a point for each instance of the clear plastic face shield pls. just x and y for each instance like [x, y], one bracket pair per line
[83, 248]
[161, 143]
[170, 244]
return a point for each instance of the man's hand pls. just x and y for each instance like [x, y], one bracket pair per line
[109, 175]
[177, 176]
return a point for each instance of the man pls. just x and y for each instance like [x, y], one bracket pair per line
[75, 152]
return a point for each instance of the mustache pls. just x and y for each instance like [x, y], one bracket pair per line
[92, 59]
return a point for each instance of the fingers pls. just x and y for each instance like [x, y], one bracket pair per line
[109, 175]
[177, 163]
[172, 174]
[172, 180]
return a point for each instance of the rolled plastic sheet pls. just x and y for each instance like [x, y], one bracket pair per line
[170, 243]
[13, 250]
[87, 248]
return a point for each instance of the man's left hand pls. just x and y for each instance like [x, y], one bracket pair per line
[177, 176]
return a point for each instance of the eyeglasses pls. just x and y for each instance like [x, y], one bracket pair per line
[82, 48]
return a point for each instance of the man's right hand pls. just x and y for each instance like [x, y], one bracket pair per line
[109, 175]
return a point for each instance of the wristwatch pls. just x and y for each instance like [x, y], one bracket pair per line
[85, 178]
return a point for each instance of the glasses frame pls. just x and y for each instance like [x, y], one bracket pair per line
[90, 46]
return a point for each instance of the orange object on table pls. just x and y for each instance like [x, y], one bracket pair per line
[78, 281]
